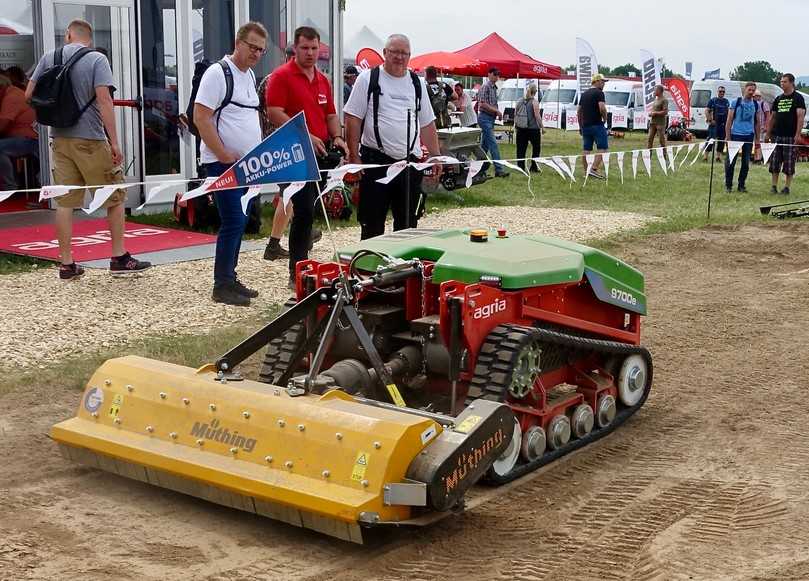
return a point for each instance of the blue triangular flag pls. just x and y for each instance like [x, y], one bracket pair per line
[285, 156]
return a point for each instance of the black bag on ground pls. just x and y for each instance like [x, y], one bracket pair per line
[53, 99]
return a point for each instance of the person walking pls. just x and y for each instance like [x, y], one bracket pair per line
[592, 115]
[716, 114]
[659, 120]
[87, 153]
[350, 75]
[384, 99]
[529, 128]
[467, 109]
[488, 112]
[784, 129]
[228, 134]
[742, 125]
[441, 96]
[294, 87]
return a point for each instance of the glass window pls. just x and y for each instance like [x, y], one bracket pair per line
[317, 14]
[213, 29]
[16, 39]
[160, 102]
[561, 95]
[273, 15]
[617, 98]
[700, 98]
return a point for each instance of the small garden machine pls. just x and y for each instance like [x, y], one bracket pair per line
[399, 375]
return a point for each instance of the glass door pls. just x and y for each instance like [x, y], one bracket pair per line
[114, 34]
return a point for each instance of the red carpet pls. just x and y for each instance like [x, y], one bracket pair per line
[91, 240]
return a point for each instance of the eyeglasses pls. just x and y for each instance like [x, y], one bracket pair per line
[254, 48]
[398, 53]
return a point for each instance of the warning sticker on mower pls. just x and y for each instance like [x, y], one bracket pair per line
[428, 434]
[360, 466]
[94, 399]
[466, 426]
[115, 408]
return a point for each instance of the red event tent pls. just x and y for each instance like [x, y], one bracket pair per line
[449, 62]
[495, 51]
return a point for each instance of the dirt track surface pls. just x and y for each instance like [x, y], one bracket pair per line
[707, 481]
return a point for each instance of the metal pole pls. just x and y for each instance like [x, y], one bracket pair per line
[710, 183]
[407, 174]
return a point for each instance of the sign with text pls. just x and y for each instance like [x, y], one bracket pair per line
[640, 120]
[620, 117]
[550, 118]
[650, 75]
[586, 64]
[571, 119]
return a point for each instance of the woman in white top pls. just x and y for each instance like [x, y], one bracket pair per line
[464, 104]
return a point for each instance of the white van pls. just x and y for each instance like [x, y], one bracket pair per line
[557, 97]
[621, 94]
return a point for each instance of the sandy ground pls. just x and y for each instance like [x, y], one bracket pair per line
[707, 481]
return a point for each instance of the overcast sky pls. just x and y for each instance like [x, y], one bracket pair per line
[710, 34]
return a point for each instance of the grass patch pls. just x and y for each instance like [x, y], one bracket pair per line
[13, 264]
[185, 349]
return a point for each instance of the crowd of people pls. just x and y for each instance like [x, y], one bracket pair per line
[389, 113]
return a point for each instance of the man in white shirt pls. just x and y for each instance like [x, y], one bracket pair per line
[383, 138]
[229, 132]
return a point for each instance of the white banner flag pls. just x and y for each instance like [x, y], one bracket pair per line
[553, 166]
[102, 195]
[513, 166]
[661, 159]
[200, 191]
[620, 118]
[650, 76]
[562, 164]
[571, 119]
[573, 159]
[431, 161]
[291, 190]
[766, 150]
[635, 164]
[474, 169]
[48, 192]
[590, 158]
[6, 195]
[691, 147]
[393, 170]
[733, 149]
[605, 157]
[159, 189]
[619, 157]
[646, 155]
[252, 192]
[672, 156]
[350, 168]
[586, 64]
[702, 149]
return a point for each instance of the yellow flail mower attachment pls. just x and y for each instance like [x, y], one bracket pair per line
[333, 462]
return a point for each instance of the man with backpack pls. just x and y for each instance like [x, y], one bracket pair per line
[226, 117]
[384, 100]
[71, 91]
[441, 95]
[742, 125]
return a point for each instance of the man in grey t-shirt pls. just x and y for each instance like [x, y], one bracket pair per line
[87, 153]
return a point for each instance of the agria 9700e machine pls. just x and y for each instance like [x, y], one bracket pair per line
[414, 365]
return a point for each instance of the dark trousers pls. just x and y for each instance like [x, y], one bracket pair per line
[376, 199]
[231, 228]
[300, 231]
[717, 132]
[745, 153]
[524, 137]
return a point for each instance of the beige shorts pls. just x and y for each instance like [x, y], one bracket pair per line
[85, 162]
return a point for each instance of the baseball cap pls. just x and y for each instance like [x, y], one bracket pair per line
[596, 77]
[351, 70]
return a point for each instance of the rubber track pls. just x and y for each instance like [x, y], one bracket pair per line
[281, 350]
[491, 374]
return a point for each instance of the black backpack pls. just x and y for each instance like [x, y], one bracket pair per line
[373, 93]
[199, 70]
[53, 99]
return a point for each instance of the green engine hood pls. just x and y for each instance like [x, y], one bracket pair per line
[518, 261]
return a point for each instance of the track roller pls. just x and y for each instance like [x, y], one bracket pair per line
[558, 431]
[533, 443]
[606, 410]
[582, 420]
[508, 459]
[632, 380]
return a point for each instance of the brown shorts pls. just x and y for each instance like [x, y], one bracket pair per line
[85, 162]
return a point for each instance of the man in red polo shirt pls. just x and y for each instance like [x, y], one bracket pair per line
[294, 87]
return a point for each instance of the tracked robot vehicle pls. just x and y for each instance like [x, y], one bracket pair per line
[414, 365]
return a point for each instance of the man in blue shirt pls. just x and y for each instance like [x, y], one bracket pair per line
[742, 125]
[717, 115]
